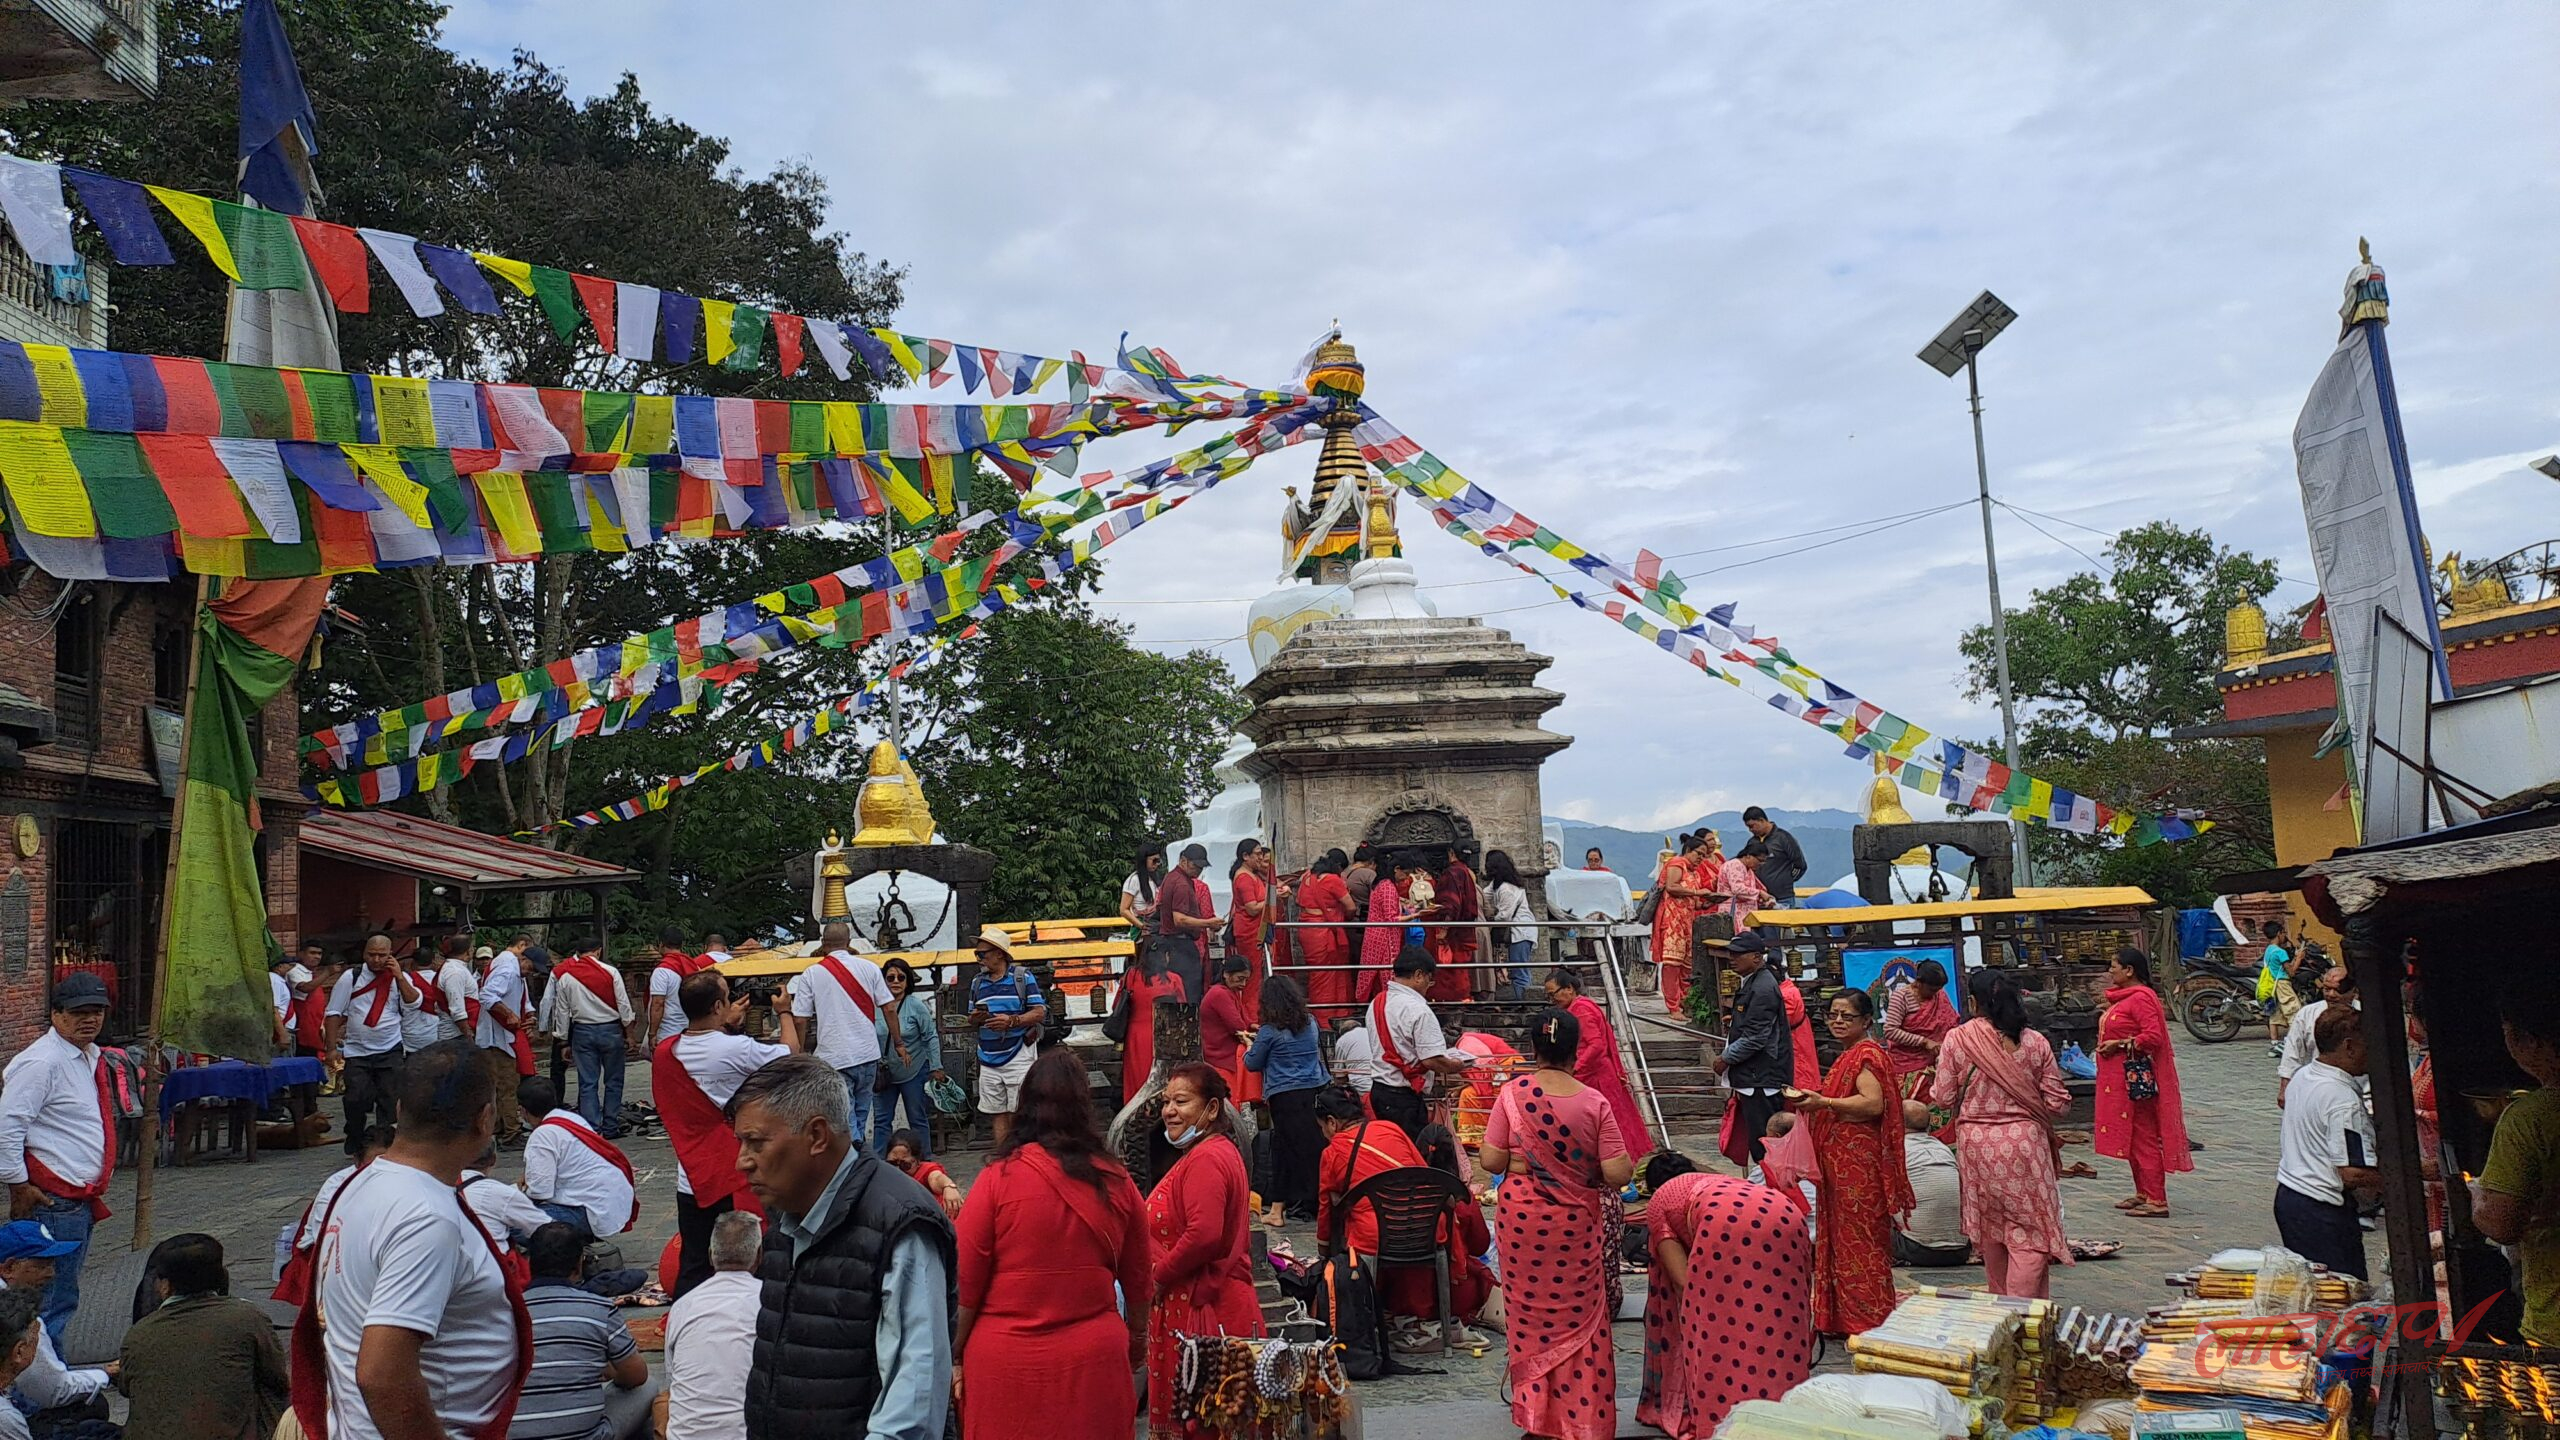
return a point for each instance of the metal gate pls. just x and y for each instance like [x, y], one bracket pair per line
[105, 910]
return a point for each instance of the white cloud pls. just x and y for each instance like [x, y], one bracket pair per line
[1655, 274]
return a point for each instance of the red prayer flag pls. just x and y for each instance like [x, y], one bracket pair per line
[875, 615]
[595, 292]
[566, 410]
[786, 341]
[336, 253]
[345, 539]
[199, 489]
[193, 407]
[1648, 569]
[773, 427]
[298, 401]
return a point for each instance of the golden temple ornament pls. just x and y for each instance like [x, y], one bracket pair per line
[892, 807]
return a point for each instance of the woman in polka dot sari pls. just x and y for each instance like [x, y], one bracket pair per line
[1556, 1144]
[1728, 1300]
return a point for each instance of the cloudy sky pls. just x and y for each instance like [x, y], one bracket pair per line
[1656, 274]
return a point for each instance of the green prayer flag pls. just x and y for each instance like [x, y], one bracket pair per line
[254, 394]
[269, 560]
[746, 333]
[809, 428]
[558, 299]
[605, 413]
[122, 489]
[557, 512]
[452, 507]
[262, 244]
[333, 406]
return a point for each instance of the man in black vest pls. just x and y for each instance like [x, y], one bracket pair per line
[860, 1271]
[1759, 1049]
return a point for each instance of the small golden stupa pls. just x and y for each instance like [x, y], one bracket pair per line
[834, 874]
[1884, 807]
[892, 807]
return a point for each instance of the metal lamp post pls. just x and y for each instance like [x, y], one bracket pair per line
[1956, 348]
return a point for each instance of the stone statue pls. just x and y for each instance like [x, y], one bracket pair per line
[892, 807]
[1137, 1132]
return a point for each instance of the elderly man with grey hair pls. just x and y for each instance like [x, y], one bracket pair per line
[860, 1270]
[711, 1336]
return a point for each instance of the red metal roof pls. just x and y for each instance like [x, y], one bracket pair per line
[383, 840]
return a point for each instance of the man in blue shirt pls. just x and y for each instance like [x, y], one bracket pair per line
[1006, 1005]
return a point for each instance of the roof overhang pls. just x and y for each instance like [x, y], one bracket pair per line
[449, 854]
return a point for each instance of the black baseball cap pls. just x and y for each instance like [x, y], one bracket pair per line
[79, 990]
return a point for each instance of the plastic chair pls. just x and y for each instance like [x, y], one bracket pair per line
[1415, 1206]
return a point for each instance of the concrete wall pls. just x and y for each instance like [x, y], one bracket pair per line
[2298, 790]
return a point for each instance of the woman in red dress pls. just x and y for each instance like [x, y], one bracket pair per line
[1145, 980]
[1323, 903]
[1675, 917]
[1598, 1064]
[1808, 1063]
[1857, 1130]
[1199, 1218]
[1249, 916]
[1226, 1028]
[1383, 940]
[2147, 1132]
[1726, 1300]
[1051, 1224]
[1555, 1142]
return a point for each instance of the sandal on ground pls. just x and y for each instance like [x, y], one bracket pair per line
[2147, 1211]
[2078, 1170]
[2129, 1202]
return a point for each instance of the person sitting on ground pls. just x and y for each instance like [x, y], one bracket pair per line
[55, 1394]
[204, 1365]
[293, 1286]
[1357, 1149]
[711, 1336]
[1932, 1235]
[571, 1173]
[589, 1381]
[19, 1338]
[907, 1153]
[502, 1209]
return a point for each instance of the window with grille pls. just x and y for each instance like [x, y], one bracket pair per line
[77, 657]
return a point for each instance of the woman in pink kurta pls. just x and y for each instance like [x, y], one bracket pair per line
[2001, 1079]
[1739, 881]
[1727, 1314]
[1556, 1144]
[1598, 1064]
[2147, 1132]
[1917, 1017]
[1384, 937]
[1198, 1216]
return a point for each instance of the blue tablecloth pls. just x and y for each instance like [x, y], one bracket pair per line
[237, 1080]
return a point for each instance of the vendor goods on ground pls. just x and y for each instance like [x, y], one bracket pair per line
[1786, 1420]
[1970, 1345]
[2280, 1391]
[2093, 1354]
[1243, 1389]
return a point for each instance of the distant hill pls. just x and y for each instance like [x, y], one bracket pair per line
[1824, 834]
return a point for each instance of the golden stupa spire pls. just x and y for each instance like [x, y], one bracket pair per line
[1334, 373]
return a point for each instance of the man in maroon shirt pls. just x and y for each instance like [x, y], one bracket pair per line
[1184, 918]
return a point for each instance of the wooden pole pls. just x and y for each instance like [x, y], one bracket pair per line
[146, 1164]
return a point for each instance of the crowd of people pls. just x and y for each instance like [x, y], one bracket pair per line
[827, 1270]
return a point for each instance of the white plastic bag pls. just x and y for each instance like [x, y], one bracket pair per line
[2285, 1284]
[1924, 1406]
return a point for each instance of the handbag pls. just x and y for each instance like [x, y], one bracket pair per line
[1115, 1026]
[1648, 906]
[2141, 1082]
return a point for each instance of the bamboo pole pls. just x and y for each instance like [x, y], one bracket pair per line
[146, 1164]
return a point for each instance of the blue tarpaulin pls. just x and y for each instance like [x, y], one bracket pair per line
[2199, 931]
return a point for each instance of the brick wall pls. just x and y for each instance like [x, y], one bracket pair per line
[105, 770]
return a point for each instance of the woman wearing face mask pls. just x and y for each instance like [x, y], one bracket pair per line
[1199, 1221]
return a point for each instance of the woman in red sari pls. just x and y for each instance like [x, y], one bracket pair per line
[1323, 904]
[1556, 1145]
[1675, 916]
[1857, 1129]
[2422, 1098]
[1199, 1218]
[2002, 1081]
[1725, 1315]
[1598, 1063]
[1808, 1064]
[1226, 1028]
[1458, 905]
[1051, 1224]
[2148, 1132]
[1143, 981]
[1249, 916]
[1917, 1017]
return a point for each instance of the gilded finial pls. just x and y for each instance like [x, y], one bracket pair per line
[1383, 541]
[835, 872]
[892, 806]
[2364, 251]
[2244, 635]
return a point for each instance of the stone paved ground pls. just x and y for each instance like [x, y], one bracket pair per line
[2230, 1109]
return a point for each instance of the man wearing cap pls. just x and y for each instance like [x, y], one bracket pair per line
[841, 996]
[1759, 1049]
[58, 1134]
[1006, 1005]
[1184, 918]
[29, 1257]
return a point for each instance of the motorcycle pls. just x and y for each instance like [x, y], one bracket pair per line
[2217, 997]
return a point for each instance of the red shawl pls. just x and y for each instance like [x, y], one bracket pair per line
[606, 1151]
[704, 1144]
[1884, 1136]
[2134, 1013]
[587, 972]
[1807, 1060]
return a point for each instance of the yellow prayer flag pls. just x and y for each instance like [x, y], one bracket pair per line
[717, 317]
[908, 561]
[212, 557]
[518, 273]
[2039, 800]
[898, 350]
[1048, 368]
[58, 386]
[653, 424]
[43, 482]
[912, 506]
[381, 465]
[196, 213]
[512, 513]
[608, 537]
[401, 409]
[844, 426]
[937, 469]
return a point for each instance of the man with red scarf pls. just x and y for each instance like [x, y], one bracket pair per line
[58, 1134]
[666, 1016]
[588, 1007]
[691, 1079]
[365, 1014]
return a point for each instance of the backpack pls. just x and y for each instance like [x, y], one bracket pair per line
[1347, 1304]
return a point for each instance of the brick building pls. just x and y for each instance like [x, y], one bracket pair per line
[92, 680]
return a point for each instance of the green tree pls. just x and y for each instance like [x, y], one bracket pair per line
[2106, 667]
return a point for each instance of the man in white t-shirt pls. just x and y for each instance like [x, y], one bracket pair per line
[706, 1065]
[281, 990]
[505, 1214]
[420, 1326]
[1354, 1050]
[666, 1015]
[711, 1337]
[576, 1175]
[367, 1034]
[1411, 1046]
[455, 989]
[842, 992]
[2326, 1153]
